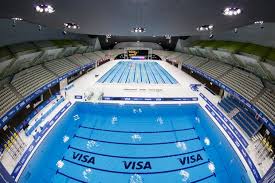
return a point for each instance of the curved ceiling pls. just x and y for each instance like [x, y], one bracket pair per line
[159, 17]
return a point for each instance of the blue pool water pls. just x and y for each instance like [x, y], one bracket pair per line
[106, 143]
[137, 72]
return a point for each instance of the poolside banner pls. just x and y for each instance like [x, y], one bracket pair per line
[4, 175]
[268, 123]
[150, 99]
[9, 114]
[78, 97]
[238, 145]
[224, 118]
[36, 140]
[270, 175]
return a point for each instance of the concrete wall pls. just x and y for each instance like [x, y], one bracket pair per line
[122, 45]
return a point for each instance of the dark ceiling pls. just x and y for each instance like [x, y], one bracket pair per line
[161, 40]
[159, 17]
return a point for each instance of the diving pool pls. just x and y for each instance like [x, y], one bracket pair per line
[137, 72]
[135, 143]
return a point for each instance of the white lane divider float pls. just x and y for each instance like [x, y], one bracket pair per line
[211, 167]
[136, 137]
[91, 144]
[86, 173]
[138, 110]
[206, 141]
[136, 179]
[185, 175]
[197, 119]
[181, 145]
[114, 120]
[60, 164]
[65, 138]
[76, 117]
[160, 120]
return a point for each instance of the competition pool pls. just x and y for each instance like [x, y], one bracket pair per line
[137, 72]
[106, 143]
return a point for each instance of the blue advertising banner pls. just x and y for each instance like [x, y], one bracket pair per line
[268, 123]
[269, 177]
[42, 118]
[238, 145]
[5, 177]
[78, 97]
[150, 99]
[37, 139]
[224, 118]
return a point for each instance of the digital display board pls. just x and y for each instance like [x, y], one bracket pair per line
[134, 53]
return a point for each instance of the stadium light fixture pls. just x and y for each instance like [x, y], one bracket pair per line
[259, 22]
[71, 25]
[15, 19]
[205, 28]
[231, 11]
[44, 8]
[138, 30]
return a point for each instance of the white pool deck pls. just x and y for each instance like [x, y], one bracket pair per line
[87, 84]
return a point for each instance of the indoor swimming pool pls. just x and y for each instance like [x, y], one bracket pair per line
[137, 72]
[135, 144]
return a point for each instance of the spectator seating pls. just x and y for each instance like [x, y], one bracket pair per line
[92, 56]
[266, 103]
[80, 60]
[215, 69]
[194, 61]
[49, 49]
[31, 79]
[60, 66]
[113, 53]
[6, 59]
[100, 54]
[8, 99]
[174, 56]
[25, 56]
[246, 84]
[68, 47]
[244, 118]
[82, 47]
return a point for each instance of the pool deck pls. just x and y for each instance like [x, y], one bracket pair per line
[88, 85]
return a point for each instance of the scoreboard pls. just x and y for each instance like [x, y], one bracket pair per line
[135, 53]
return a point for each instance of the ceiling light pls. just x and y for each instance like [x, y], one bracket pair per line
[71, 25]
[231, 11]
[17, 19]
[138, 30]
[205, 28]
[259, 22]
[44, 8]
